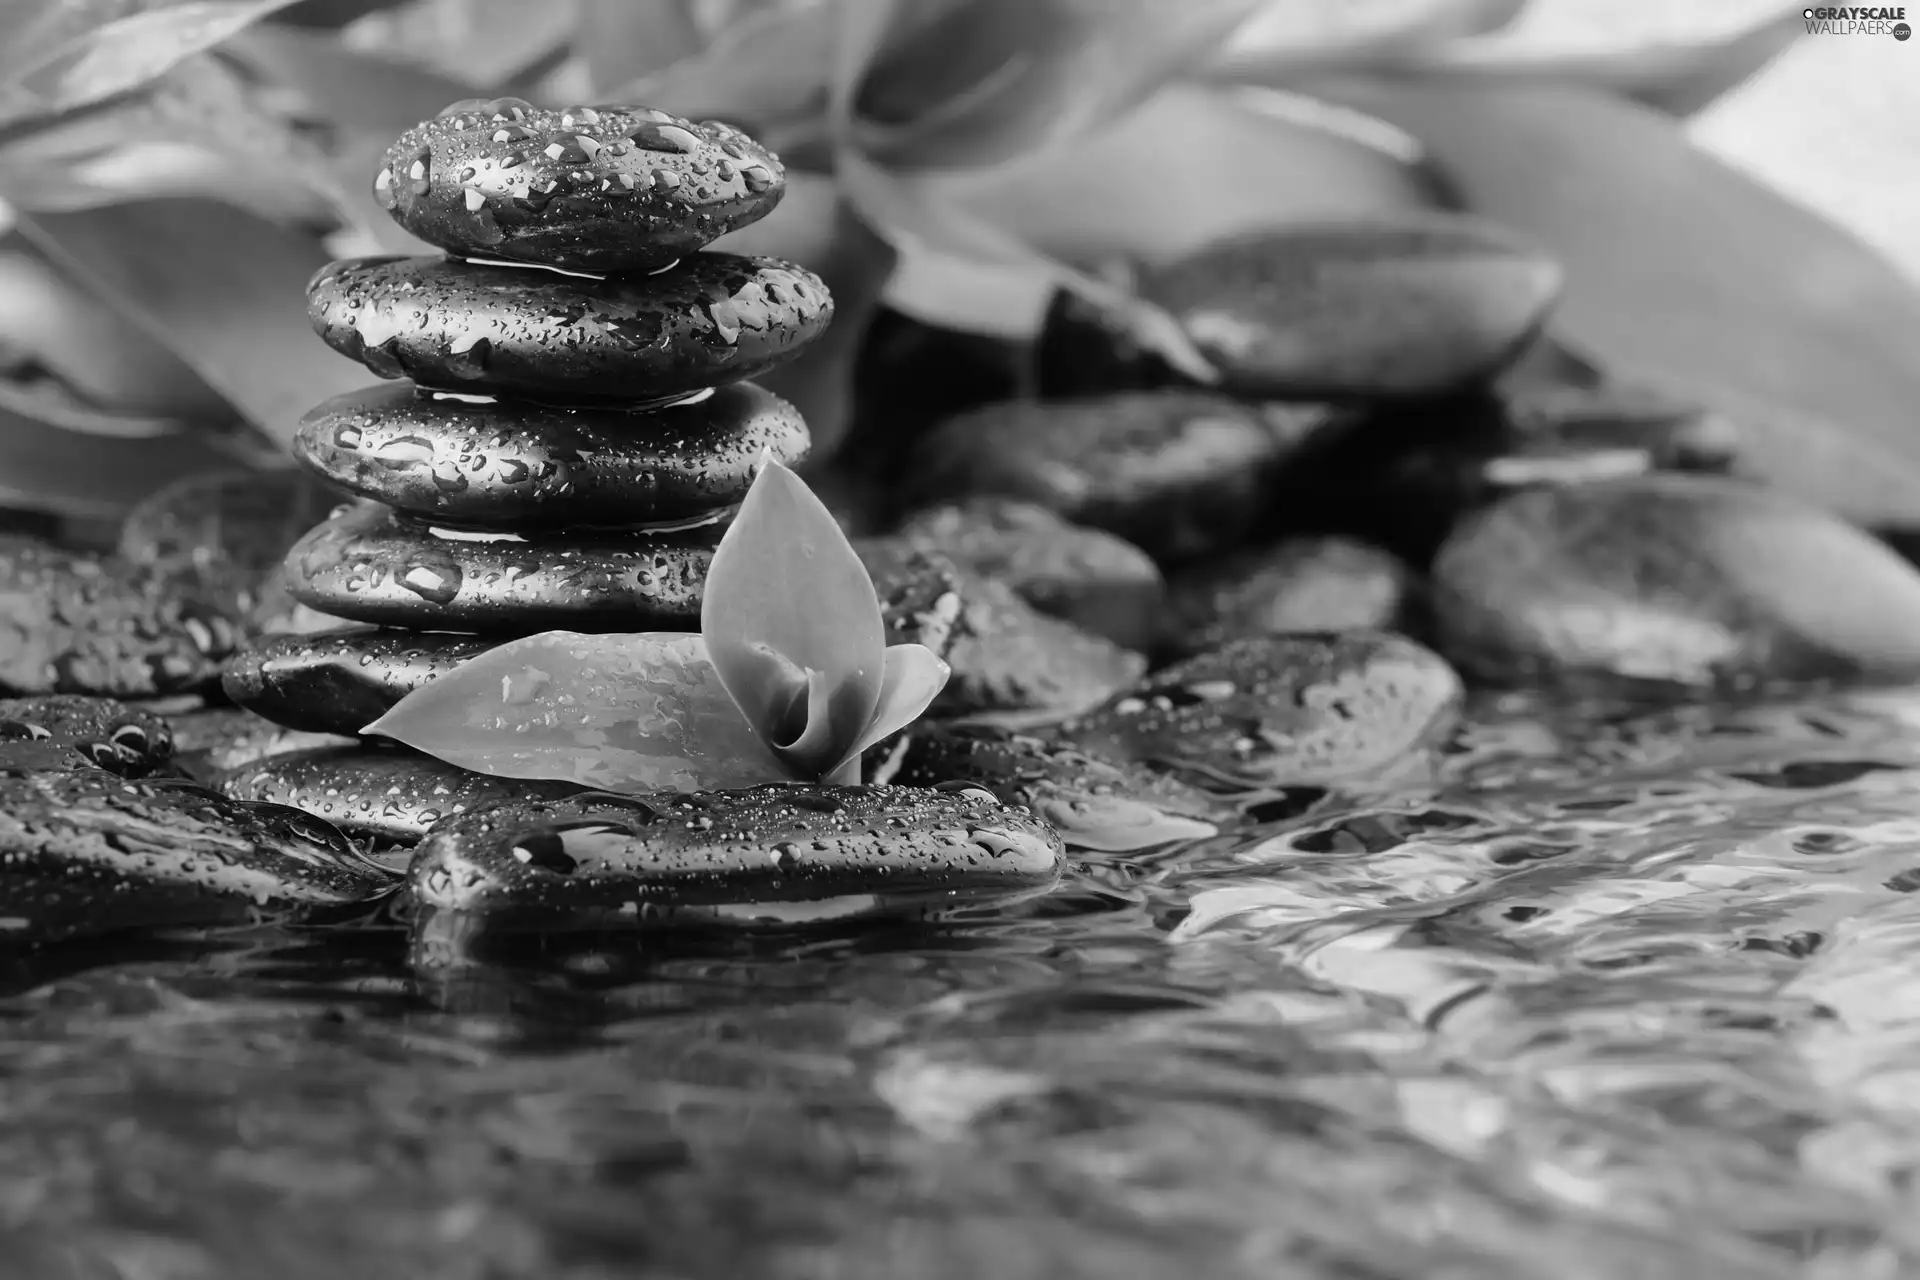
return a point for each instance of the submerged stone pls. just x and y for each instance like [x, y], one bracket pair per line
[1678, 580]
[453, 326]
[774, 854]
[601, 189]
[1302, 584]
[1418, 305]
[369, 565]
[1308, 709]
[341, 681]
[107, 734]
[526, 467]
[376, 791]
[224, 533]
[88, 853]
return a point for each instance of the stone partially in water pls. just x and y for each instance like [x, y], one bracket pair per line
[600, 189]
[1302, 584]
[775, 854]
[341, 681]
[1314, 709]
[226, 532]
[1678, 580]
[110, 735]
[369, 565]
[524, 332]
[1092, 803]
[526, 467]
[1179, 473]
[1419, 305]
[89, 853]
[78, 623]
[1098, 582]
[216, 740]
[374, 791]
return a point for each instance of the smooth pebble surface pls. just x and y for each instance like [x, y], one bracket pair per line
[341, 681]
[1300, 584]
[599, 189]
[524, 467]
[122, 739]
[712, 318]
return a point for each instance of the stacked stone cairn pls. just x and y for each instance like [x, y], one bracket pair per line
[569, 425]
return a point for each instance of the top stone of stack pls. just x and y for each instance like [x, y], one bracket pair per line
[605, 190]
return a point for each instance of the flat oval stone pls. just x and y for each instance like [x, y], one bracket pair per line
[775, 854]
[713, 318]
[1417, 305]
[373, 791]
[339, 682]
[225, 532]
[214, 740]
[1673, 580]
[89, 853]
[369, 565]
[1180, 474]
[1296, 710]
[71, 622]
[601, 189]
[1098, 582]
[111, 735]
[1301, 584]
[528, 467]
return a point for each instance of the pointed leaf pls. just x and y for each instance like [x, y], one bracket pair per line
[639, 712]
[915, 676]
[1681, 268]
[785, 580]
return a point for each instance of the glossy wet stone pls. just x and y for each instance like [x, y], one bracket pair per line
[378, 791]
[370, 566]
[111, 735]
[1417, 305]
[90, 853]
[226, 532]
[1098, 582]
[276, 613]
[769, 854]
[1311, 709]
[1180, 474]
[341, 681]
[1302, 584]
[215, 740]
[523, 467]
[77, 623]
[921, 592]
[1693, 581]
[1093, 803]
[538, 335]
[600, 189]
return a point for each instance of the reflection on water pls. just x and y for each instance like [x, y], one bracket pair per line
[1617, 996]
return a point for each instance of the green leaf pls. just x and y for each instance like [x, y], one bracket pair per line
[49, 468]
[643, 712]
[1681, 269]
[914, 677]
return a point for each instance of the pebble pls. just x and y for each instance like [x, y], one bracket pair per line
[713, 318]
[1676, 581]
[920, 592]
[369, 565]
[1301, 584]
[211, 741]
[338, 682]
[1101, 583]
[1416, 305]
[597, 189]
[770, 855]
[110, 735]
[1181, 474]
[225, 532]
[526, 467]
[88, 853]
[1294, 710]
[387, 793]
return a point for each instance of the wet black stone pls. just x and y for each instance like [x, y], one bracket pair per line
[371, 566]
[920, 592]
[526, 467]
[341, 681]
[1098, 582]
[78, 623]
[376, 791]
[1093, 803]
[1413, 306]
[90, 853]
[276, 613]
[108, 734]
[1180, 474]
[1282, 710]
[216, 740]
[1302, 584]
[601, 189]
[714, 318]
[1687, 581]
[765, 855]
